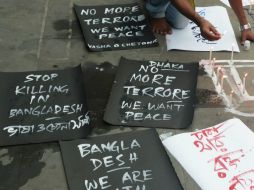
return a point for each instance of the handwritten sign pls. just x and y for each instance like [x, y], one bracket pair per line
[190, 37]
[42, 106]
[224, 153]
[115, 27]
[153, 94]
[126, 161]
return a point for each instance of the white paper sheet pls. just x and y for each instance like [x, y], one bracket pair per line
[218, 158]
[190, 39]
[245, 2]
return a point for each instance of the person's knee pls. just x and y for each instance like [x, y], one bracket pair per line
[175, 18]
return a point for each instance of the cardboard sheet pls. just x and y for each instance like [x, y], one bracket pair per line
[190, 38]
[153, 94]
[42, 106]
[218, 157]
[115, 27]
[134, 160]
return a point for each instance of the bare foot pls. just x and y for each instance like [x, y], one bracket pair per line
[161, 26]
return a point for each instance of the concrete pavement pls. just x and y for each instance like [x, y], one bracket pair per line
[44, 34]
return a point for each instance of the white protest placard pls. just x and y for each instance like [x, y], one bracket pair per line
[245, 2]
[190, 38]
[220, 157]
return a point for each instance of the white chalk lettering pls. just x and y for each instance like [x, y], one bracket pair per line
[174, 94]
[166, 65]
[157, 78]
[88, 12]
[92, 46]
[102, 181]
[82, 121]
[140, 78]
[43, 78]
[96, 163]
[124, 28]
[46, 110]
[133, 44]
[115, 146]
[118, 158]
[137, 176]
[124, 19]
[107, 162]
[169, 80]
[41, 89]
[143, 68]
[19, 129]
[41, 98]
[133, 157]
[169, 105]
[120, 35]
[134, 105]
[117, 10]
[139, 116]
[91, 185]
[50, 128]
[131, 187]
[99, 30]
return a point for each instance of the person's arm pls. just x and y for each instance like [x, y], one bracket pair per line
[208, 31]
[237, 7]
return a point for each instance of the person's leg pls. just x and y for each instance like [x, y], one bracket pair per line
[157, 10]
[175, 18]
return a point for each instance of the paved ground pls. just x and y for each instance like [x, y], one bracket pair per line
[44, 34]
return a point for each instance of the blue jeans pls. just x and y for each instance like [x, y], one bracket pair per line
[164, 8]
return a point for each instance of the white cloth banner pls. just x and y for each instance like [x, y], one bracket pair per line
[190, 38]
[245, 2]
[218, 158]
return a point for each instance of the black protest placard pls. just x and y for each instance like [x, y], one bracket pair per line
[128, 161]
[153, 94]
[115, 27]
[42, 106]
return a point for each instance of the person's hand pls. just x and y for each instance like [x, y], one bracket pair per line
[208, 31]
[247, 35]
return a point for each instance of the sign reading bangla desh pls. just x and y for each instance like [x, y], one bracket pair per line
[126, 161]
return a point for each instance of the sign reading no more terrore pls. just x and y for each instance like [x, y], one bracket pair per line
[153, 94]
[115, 27]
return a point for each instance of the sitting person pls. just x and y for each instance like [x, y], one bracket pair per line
[175, 13]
